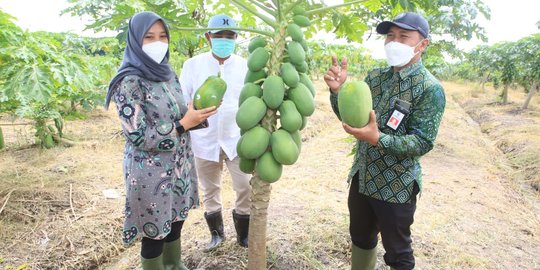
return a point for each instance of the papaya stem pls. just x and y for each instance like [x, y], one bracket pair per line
[262, 32]
[292, 6]
[263, 7]
[279, 15]
[323, 9]
[254, 12]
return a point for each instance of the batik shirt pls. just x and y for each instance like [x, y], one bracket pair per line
[388, 170]
[159, 170]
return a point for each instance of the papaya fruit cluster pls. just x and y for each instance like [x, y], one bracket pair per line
[287, 92]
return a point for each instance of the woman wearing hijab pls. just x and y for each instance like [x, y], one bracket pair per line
[159, 173]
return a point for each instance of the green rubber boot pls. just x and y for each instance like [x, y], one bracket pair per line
[152, 264]
[363, 259]
[172, 256]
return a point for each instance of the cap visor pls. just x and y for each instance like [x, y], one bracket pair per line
[384, 27]
[215, 31]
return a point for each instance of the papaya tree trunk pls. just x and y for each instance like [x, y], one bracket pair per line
[532, 91]
[505, 94]
[1, 138]
[260, 199]
[483, 84]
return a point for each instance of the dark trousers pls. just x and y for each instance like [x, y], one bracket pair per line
[370, 216]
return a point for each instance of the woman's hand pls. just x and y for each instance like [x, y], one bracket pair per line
[336, 75]
[369, 133]
[194, 117]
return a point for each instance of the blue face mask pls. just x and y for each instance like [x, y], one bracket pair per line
[223, 47]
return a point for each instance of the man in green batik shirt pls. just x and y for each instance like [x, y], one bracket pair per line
[408, 104]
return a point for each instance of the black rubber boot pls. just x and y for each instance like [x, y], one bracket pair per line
[215, 224]
[241, 224]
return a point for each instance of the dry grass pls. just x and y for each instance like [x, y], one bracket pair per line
[515, 131]
[474, 212]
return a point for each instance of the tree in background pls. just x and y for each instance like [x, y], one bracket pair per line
[450, 20]
[44, 76]
[504, 64]
[529, 65]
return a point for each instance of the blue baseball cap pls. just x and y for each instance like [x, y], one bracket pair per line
[222, 21]
[408, 21]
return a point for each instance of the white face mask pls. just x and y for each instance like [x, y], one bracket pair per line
[399, 54]
[156, 50]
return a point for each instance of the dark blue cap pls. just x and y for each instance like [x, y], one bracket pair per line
[408, 21]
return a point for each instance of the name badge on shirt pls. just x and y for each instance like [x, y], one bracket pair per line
[401, 110]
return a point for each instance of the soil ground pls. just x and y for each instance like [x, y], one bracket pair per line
[480, 208]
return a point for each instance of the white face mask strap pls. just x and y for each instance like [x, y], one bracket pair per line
[417, 45]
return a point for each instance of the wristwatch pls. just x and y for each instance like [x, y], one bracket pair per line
[179, 128]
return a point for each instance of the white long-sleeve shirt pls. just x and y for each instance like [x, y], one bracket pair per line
[222, 133]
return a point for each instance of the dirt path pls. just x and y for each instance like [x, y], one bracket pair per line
[471, 214]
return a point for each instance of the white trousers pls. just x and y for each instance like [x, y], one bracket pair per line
[209, 174]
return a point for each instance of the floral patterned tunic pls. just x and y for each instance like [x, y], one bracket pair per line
[159, 173]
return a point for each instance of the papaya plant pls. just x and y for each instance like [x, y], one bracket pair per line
[274, 105]
[42, 76]
[529, 65]
[507, 63]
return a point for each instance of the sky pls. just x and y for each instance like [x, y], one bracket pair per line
[510, 20]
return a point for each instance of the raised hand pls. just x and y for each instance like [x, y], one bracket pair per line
[337, 74]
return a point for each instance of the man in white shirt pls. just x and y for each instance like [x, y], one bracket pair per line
[216, 144]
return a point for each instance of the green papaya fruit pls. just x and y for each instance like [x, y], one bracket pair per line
[289, 74]
[238, 144]
[254, 142]
[250, 113]
[303, 67]
[256, 42]
[304, 45]
[354, 103]
[302, 98]
[258, 59]
[295, 32]
[297, 139]
[249, 90]
[301, 20]
[298, 10]
[247, 165]
[289, 117]
[255, 77]
[273, 91]
[284, 149]
[296, 53]
[304, 122]
[210, 93]
[304, 79]
[267, 168]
